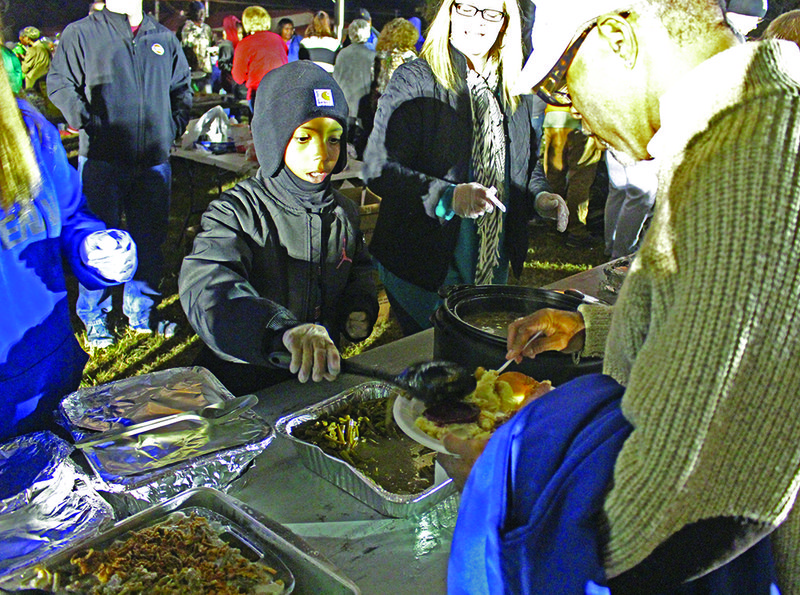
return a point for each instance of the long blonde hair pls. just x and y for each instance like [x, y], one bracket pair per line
[506, 51]
[20, 178]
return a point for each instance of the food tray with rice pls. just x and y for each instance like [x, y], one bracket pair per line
[360, 476]
[136, 470]
[201, 541]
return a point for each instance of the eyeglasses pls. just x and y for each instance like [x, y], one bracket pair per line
[553, 89]
[487, 14]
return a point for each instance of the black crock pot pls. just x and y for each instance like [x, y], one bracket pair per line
[457, 338]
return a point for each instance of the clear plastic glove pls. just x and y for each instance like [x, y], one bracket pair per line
[110, 252]
[313, 353]
[357, 326]
[552, 206]
[473, 200]
[562, 331]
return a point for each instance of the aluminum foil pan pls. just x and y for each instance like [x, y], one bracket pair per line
[259, 538]
[141, 398]
[54, 505]
[141, 471]
[346, 476]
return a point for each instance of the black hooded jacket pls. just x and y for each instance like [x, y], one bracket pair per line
[421, 144]
[276, 252]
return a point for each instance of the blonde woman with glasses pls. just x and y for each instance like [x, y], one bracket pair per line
[452, 155]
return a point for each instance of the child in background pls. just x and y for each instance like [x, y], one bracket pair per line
[280, 264]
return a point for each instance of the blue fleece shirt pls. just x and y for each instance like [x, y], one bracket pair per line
[529, 518]
[39, 355]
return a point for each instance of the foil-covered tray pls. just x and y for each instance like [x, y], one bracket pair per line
[142, 470]
[141, 398]
[259, 538]
[346, 476]
[46, 501]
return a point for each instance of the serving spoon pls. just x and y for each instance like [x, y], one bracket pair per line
[431, 382]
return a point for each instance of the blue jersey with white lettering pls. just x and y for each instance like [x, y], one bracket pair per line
[36, 334]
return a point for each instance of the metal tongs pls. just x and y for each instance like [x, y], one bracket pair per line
[209, 415]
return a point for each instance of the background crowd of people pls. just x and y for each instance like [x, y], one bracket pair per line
[691, 433]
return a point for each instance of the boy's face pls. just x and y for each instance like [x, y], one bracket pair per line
[313, 150]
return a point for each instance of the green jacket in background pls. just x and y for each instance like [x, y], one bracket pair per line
[36, 63]
[13, 68]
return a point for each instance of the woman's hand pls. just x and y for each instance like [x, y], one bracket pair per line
[551, 206]
[464, 454]
[313, 353]
[473, 200]
[561, 331]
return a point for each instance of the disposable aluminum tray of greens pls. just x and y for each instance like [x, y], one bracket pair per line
[349, 478]
[260, 540]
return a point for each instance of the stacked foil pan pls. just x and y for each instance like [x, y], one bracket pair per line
[46, 501]
[141, 471]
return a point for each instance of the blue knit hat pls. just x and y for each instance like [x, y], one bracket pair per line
[287, 97]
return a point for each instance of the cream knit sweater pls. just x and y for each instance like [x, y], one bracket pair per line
[705, 334]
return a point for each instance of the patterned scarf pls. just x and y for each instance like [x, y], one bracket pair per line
[488, 164]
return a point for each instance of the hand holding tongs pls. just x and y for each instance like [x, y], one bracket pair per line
[210, 415]
[533, 337]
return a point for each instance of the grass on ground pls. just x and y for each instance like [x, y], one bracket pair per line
[549, 260]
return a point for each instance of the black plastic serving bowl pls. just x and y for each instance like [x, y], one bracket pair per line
[457, 339]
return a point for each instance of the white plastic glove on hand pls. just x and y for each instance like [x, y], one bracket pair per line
[110, 252]
[357, 327]
[474, 200]
[552, 206]
[313, 353]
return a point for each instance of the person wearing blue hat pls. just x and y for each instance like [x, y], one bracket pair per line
[281, 264]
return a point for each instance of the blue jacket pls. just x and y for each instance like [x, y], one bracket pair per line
[129, 96]
[293, 48]
[530, 513]
[40, 358]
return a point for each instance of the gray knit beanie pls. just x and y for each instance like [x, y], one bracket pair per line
[287, 97]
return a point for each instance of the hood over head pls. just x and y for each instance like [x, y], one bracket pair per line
[287, 97]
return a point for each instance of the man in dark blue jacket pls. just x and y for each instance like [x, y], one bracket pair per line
[122, 79]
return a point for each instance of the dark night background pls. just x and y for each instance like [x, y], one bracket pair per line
[53, 15]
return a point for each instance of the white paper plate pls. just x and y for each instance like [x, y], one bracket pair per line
[406, 411]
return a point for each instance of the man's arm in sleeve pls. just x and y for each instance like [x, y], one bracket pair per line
[66, 80]
[180, 90]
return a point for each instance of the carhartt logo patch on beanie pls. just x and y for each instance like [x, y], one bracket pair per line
[288, 97]
[323, 97]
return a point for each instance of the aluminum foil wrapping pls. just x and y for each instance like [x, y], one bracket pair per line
[47, 501]
[346, 476]
[137, 472]
[141, 398]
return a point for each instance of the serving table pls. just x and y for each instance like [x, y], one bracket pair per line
[382, 555]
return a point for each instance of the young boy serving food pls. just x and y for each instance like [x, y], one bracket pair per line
[280, 263]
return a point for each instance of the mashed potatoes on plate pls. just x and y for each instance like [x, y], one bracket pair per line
[498, 396]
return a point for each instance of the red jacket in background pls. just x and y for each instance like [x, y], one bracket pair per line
[255, 56]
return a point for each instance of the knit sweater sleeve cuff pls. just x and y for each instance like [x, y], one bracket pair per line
[597, 319]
